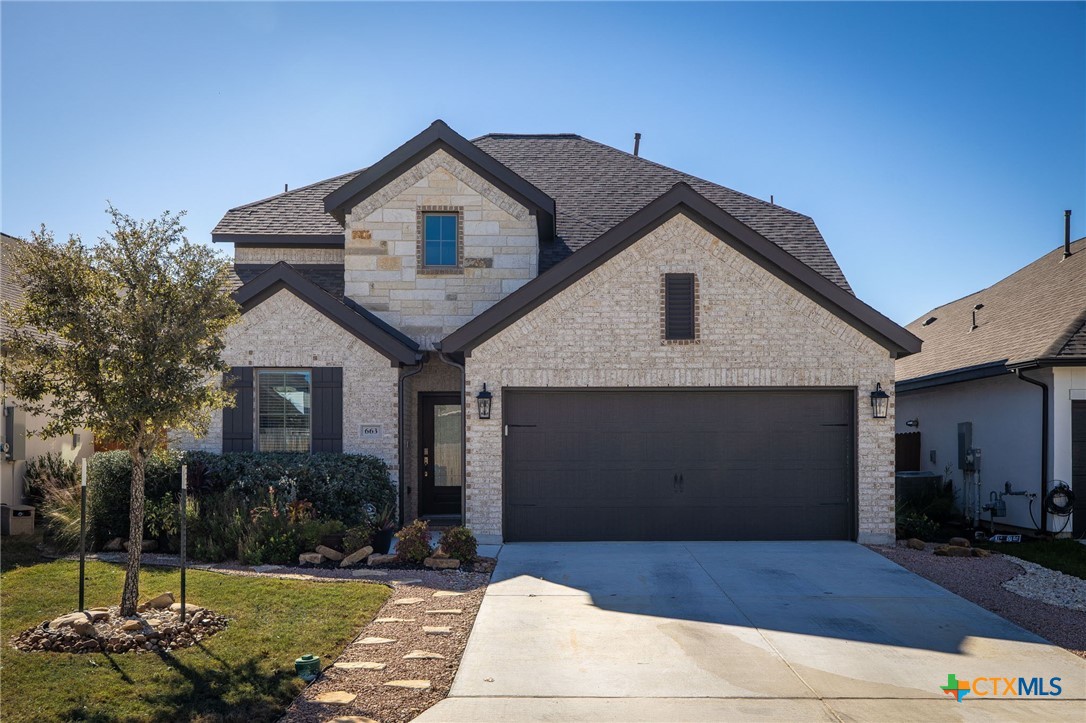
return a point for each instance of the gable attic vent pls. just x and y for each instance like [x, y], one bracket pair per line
[929, 321]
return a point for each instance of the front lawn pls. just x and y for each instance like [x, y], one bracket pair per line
[244, 673]
[1066, 556]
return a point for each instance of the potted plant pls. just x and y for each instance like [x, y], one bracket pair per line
[384, 524]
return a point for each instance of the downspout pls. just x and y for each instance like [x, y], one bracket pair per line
[1044, 445]
[408, 372]
[463, 432]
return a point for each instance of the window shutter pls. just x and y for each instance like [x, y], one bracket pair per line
[237, 421]
[678, 306]
[327, 409]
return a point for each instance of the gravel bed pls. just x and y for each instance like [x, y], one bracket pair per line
[391, 705]
[1049, 586]
[981, 581]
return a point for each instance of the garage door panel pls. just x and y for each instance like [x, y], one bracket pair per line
[603, 464]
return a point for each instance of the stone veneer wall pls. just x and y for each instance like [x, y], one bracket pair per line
[284, 331]
[500, 249]
[292, 255]
[756, 331]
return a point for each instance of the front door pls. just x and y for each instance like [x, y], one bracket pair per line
[441, 459]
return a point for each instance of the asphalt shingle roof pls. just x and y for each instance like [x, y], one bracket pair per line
[1037, 312]
[594, 187]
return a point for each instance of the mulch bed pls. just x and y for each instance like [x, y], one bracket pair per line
[980, 581]
[375, 700]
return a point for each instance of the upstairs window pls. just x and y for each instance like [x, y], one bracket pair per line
[680, 308]
[284, 410]
[440, 242]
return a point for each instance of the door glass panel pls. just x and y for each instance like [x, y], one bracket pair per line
[447, 457]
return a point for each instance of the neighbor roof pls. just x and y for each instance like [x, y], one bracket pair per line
[384, 338]
[683, 199]
[594, 187]
[1034, 316]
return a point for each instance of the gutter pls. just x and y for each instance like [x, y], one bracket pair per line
[409, 372]
[463, 432]
[1044, 444]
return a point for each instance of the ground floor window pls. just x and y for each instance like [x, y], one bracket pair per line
[284, 410]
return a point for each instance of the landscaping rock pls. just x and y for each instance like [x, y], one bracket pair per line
[959, 542]
[161, 602]
[374, 641]
[423, 655]
[953, 551]
[132, 625]
[441, 563]
[433, 630]
[335, 697]
[145, 545]
[83, 629]
[352, 719]
[412, 684]
[407, 601]
[368, 573]
[69, 620]
[329, 553]
[394, 620]
[356, 557]
[447, 593]
[915, 543]
[440, 553]
[448, 611]
[311, 558]
[978, 552]
[114, 545]
[379, 559]
[190, 609]
[360, 666]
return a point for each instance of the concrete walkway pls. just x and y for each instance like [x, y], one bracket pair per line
[728, 631]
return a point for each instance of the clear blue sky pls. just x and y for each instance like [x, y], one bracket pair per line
[936, 145]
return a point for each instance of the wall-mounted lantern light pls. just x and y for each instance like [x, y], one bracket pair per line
[483, 398]
[913, 422]
[880, 402]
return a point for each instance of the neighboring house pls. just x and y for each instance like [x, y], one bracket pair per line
[16, 424]
[668, 358]
[1011, 362]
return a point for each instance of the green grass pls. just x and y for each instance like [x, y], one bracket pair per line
[243, 673]
[1066, 556]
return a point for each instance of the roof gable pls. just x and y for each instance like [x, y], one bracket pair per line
[382, 337]
[682, 199]
[1033, 316]
[440, 135]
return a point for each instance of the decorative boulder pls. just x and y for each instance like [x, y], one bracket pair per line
[915, 544]
[114, 545]
[978, 552]
[356, 557]
[329, 553]
[959, 542]
[160, 602]
[953, 551]
[145, 545]
[441, 563]
[379, 559]
[311, 558]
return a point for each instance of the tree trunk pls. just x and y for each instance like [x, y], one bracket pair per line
[130, 595]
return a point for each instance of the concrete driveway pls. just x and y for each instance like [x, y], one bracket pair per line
[710, 631]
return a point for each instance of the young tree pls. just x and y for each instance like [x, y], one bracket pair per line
[123, 338]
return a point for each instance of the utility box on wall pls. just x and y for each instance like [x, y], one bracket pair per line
[17, 520]
[965, 444]
[14, 434]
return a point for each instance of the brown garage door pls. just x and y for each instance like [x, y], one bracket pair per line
[678, 465]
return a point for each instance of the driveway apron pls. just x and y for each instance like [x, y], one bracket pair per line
[736, 630]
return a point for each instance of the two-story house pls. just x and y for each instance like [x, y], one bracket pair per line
[551, 339]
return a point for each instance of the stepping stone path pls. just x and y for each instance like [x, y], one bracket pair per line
[336, 697]
[394, 620]
[430, 630]
[423, 655]
[412, 581]
[407, 601]
[450, 611]
[412, 684]
[369, 573]
[447, 593]
[352, 719]
[374, 641]
[360, 666]
[267, 568]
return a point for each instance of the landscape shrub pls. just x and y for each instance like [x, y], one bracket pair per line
[109, 476]
[359, 536]
[413, 542]
[910, 523]
[50, 470]
[460, 543]
[215, 527]
[60, 511]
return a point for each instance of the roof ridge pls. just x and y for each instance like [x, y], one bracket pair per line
[696, 178]
[299, 189]
[530, 135]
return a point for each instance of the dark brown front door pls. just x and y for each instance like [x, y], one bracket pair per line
[678, 465]
[441, 477]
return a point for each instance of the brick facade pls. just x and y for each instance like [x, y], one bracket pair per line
[284, 331]
[755, 331]
[499, 249]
